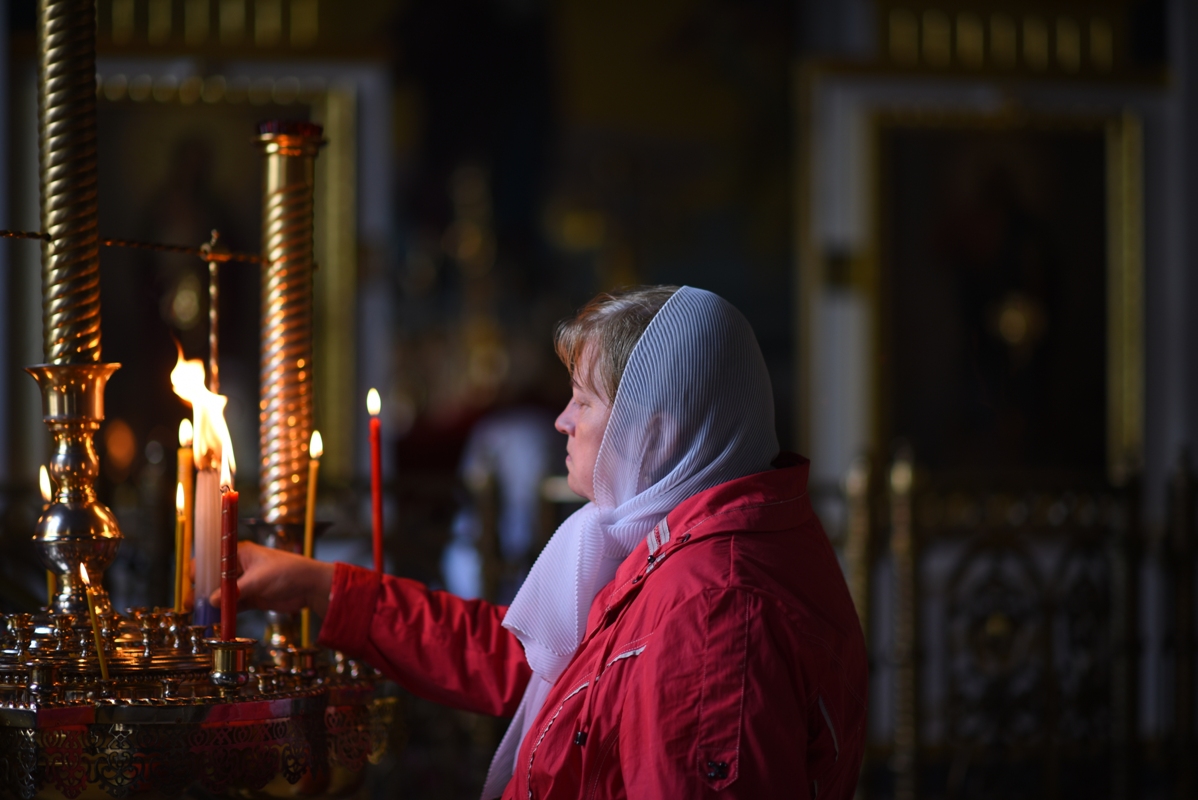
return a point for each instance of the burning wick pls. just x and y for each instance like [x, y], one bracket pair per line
[315, 451]
[228, 555]
[91, 611]
[43, 483]
[374, 405]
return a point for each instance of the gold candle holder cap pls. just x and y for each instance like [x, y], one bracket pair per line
[303, 662]
[231, 662]
[44, 679]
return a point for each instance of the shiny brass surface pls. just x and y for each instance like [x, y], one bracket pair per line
[285, 411]
[178, 711]
[67, 136]
[174, 710]
[230, 663]
[75, 528]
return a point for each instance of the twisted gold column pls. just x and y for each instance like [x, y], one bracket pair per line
[76, 528]
[285, 414]
[67, 138]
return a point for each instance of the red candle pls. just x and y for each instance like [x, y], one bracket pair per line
[374, 405]
[228, 556]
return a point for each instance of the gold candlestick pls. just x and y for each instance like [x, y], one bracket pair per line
[77, 528]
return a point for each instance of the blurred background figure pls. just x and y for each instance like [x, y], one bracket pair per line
[497, 534]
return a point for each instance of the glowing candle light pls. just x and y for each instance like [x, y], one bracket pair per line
[228, 554]
[91, 611]
[211, 447]
[315, 451]
[186, 479]
[43, 483]
[374, 405]
[180, 551]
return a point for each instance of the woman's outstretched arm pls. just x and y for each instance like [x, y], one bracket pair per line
[435, 644]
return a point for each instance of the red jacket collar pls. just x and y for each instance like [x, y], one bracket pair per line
[763, 501]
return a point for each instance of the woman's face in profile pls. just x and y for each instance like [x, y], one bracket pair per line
[583, 421]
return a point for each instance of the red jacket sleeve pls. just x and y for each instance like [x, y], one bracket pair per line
[436, 645]
[719, 712]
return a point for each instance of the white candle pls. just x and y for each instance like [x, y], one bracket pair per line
[207, 545]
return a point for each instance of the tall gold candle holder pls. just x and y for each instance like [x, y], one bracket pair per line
[285, 416]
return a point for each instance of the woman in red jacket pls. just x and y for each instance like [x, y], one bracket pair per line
[687, 633]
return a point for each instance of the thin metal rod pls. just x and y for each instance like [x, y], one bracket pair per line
[214, 326]
[201, 252]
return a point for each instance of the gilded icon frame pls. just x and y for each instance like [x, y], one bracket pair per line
[861, 101]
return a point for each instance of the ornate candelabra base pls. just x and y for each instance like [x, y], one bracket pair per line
[76, 528]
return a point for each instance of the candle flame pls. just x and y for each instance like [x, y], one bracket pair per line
[179, 498]
[226, 478]
[316, 446]
[185, 433]
[374, 404]
[43, 482]
[83, 574]
[211, 435]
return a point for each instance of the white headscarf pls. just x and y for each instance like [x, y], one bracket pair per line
[694, 409]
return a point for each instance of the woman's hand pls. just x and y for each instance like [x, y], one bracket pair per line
[275, 580]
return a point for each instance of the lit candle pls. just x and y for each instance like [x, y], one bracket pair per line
[228, 555]
[315, 451]
[180, 540]
[374, 405]
[207, 545]
[186, 479]
[43, 483]
[91, 611]
[211, 445]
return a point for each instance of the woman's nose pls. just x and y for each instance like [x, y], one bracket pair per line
[564, 422]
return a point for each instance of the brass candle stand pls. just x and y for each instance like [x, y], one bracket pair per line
[177, 708]
[76, 528]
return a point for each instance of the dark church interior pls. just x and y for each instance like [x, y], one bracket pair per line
[958, 228]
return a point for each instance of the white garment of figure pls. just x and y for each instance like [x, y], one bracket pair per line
[694, 409]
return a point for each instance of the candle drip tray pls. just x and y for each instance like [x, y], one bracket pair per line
[160, 723]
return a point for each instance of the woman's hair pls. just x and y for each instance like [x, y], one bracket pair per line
[612, 323]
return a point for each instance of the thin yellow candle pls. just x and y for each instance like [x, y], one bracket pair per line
[186, 479]
[43, 483]
[180, 558]
[91, 611]
[315, 451]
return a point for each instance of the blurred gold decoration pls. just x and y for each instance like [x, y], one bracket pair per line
[937, 38]
[1069, 44]
[904, 36]
[1003, 48]
[1035, 42]
[971, 40]
[1055, 37]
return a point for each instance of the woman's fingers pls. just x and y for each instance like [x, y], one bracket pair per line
[275, 580]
